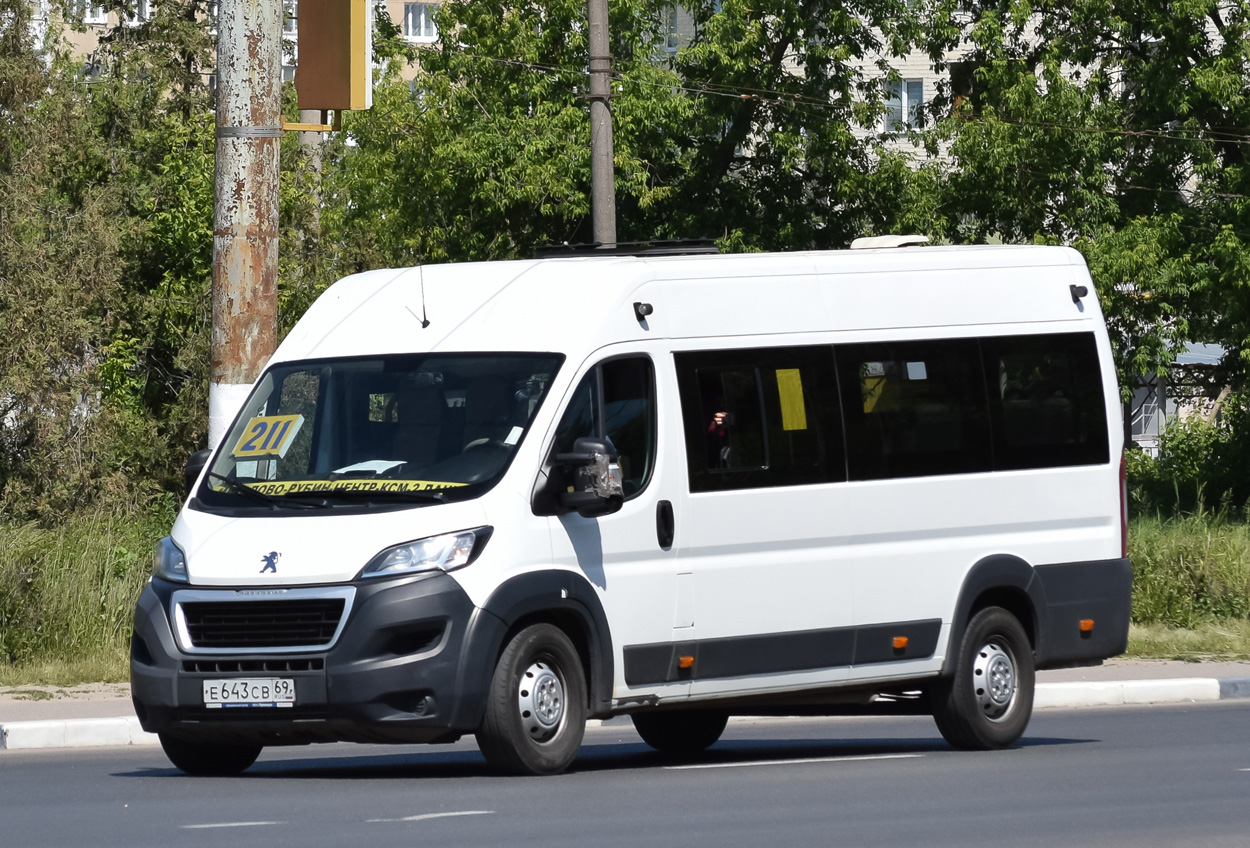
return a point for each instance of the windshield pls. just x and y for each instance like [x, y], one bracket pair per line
[404, 429]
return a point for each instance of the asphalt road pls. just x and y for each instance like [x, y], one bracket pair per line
[1155, 776]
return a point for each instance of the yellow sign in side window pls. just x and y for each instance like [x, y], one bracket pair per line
[268, 435]
[790, 388]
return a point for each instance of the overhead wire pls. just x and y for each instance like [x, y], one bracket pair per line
[1220, 135]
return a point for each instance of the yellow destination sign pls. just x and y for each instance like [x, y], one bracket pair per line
[268, 435]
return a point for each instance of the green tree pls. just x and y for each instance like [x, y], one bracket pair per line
[106, 186]
[755, 132]
[1119, 126]
[781, 144]
[59, 271]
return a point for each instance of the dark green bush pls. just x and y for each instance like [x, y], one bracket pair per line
[1202, 466]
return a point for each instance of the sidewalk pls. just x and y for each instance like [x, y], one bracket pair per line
[101, 714]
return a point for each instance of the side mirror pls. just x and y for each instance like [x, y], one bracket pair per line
[191, 471]
[596, 478]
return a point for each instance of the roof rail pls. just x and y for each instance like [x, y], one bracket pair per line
[655, 247]
[869, 242]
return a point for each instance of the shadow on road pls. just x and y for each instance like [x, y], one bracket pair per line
[406, 764]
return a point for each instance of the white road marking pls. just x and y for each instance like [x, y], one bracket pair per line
[227, 824]
[796, 762]
[425, 816]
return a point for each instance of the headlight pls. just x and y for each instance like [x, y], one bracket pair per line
[169, 563]
[436, 553]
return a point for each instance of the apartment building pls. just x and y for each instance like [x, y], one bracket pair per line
[92, 19]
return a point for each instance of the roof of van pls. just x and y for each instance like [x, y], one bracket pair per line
[572, 304]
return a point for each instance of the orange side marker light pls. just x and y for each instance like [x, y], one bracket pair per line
[1087, 625]
[900, 642]
[685, 662]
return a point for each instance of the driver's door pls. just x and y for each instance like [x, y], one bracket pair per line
[629, 556]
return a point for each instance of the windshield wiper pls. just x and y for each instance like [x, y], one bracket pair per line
[272, 501]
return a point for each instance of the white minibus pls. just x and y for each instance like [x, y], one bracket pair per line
[503, 498]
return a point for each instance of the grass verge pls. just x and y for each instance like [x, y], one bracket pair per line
[102, 666]
[1213, 642]
[67, 595]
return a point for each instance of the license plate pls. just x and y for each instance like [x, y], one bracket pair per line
[252, 692]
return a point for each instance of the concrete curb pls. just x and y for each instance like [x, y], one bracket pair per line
[101, 732]
[74, 733]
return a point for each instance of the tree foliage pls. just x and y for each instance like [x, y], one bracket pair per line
[751, 133]
[1120, 126]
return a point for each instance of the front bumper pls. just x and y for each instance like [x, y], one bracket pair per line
[396, 672]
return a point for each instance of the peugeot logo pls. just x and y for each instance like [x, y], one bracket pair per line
[271, 562]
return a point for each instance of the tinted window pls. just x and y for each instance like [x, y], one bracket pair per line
[760, 417]
[1046, 401]
[616, 399]
[914, 408]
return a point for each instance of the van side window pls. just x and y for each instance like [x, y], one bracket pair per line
[914, 409]
[756, 418]
[1046, 400]
[616, 399]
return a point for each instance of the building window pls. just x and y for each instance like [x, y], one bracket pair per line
[91, 12]
[670, 29]
[904, 105]
[140, 14]
[290, 17]
[419, 22]
[288, 73]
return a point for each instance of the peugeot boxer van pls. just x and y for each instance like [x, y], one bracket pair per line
[500, 499]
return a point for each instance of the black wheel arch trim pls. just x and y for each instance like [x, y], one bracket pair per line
[552, 595]
[997, 573]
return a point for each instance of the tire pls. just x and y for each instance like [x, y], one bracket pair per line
[536, 709]
[988, 701]
[682, 731]
[208, 759]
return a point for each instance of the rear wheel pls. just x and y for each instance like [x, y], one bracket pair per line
[208, 758]
[988, 701]
[681, 731]
[536, 711]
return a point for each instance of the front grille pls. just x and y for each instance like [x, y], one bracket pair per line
[303, 622]
[270, 666]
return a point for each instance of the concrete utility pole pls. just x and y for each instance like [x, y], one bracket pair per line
[602, 174]
[245, 206]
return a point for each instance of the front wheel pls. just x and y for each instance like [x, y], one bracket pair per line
[208, 759]
[988, 701]
[536, 711]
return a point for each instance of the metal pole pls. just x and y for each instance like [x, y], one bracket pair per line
[245, 206]
[602, 175]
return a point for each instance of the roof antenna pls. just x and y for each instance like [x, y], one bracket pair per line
[425, 322]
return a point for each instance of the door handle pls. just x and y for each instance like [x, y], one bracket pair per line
[664, 529]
